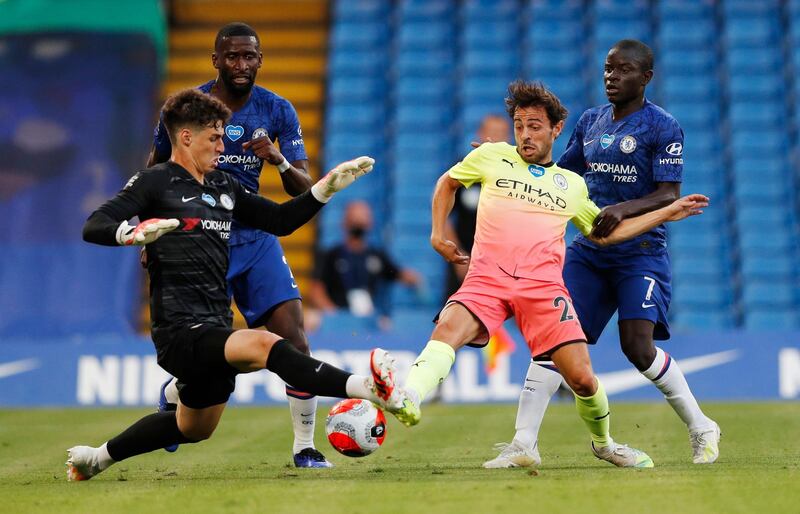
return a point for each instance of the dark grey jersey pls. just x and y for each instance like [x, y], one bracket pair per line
[188, 266]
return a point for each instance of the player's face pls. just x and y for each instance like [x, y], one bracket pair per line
[624, 78]
[238, 59]
[534, 134]
[206, 147]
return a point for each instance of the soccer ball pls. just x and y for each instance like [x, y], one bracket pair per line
[355, 427]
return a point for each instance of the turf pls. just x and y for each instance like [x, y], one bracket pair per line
[435, 467]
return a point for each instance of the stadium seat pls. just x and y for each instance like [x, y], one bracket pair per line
[415, 35]
[425, 63]
[360, 10]
[359, 34]
[771, 319]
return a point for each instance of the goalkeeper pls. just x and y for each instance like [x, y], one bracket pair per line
[187, 207]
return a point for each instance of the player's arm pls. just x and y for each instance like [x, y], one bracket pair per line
[467, 172]
[283, 219]
[108, 225]
[610, 217]
[294, 175]
[162, 147]
[444, 197]
[689, 205]
[291, 160]
[573, 159]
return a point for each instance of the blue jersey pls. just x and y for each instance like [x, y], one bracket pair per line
[625, 160]
[264, 114]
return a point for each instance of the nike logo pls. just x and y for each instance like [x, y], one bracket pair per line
[319, 367]
[628, 380]
[587, 143]
[509, 162]
[418, 363]
[532, 380]
[16, 367]
[184, 199]
[294, 285]
[647, 305]
[306, 415]
[195, 326]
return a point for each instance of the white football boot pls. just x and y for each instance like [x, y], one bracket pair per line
[82, 463]
[514, 455]
[623, 456]
[705, 444]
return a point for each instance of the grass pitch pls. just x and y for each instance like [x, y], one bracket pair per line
[435, 467]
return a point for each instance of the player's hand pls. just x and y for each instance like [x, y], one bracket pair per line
[607, 220]
[476, 144]
[689, 205]
[145, 232]
[263, 148]
[340, 177]
[449, 251]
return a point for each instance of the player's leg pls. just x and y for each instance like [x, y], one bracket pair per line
[591, 402]
[643, 296]
[286, 319]
[457, 325]
[252, 350]
[593, 306]
[267, 295]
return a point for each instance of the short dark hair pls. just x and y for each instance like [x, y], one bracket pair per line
[194, 109]
[641, 53]
[522, 93]
[236, 28]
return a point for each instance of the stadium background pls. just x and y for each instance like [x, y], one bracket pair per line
[405, 82]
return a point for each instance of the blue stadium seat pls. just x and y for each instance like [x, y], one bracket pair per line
[554, 62]
[756, 87]
[415, 63]
[747, 9]
[680, 62]
[768, 294]
[366, 117]
[427, 90]
[423, 117]
[490, 10]
[483, 88]
[750, 32]
[359, 34]
[354, 89]
[426, 9]
[555, 34]
[700, 319]
[425, 34]
[757, 113]
[548, 10]
[486, 62]
[361, 62]
[767, 266]
[701, 294]
[693, 88]
[500, 35]
[621, 9]
[771, 319]
[755, 242]
[698, 266]
[684, 10]
[751, 61]
[360, 10]
[747, 141]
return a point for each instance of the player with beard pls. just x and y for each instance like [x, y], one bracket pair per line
[259, 277]
[629, 151]
[515, 268]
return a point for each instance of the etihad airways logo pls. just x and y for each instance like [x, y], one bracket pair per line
[531, 194]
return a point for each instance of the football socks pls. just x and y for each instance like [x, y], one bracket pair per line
[429, 370]
[306, 373]
[541, 383]
[595, 414]
[152, 432]
[668, 378]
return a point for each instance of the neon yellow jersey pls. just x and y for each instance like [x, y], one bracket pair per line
[523, 212]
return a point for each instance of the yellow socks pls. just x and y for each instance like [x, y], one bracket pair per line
[594, 412]
[430, 369]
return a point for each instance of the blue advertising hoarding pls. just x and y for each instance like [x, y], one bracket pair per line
[122, 371]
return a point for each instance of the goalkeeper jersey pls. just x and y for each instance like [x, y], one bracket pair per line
[522, 212]
[187, 266]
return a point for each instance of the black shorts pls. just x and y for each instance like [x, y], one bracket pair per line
[196, 357]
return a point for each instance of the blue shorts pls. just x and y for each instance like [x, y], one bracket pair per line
[638, 286]
[259, 278]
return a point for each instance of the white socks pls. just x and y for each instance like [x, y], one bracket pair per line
[304, 413]
[541, 383]
[104, 460]
[668, 378]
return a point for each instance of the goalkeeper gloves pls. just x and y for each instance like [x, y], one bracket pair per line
[145, 232]
[340, 177]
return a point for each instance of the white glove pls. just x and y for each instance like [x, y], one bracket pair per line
[145, 232]
[340, 177]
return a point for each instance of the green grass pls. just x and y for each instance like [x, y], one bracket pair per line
[435, 467]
